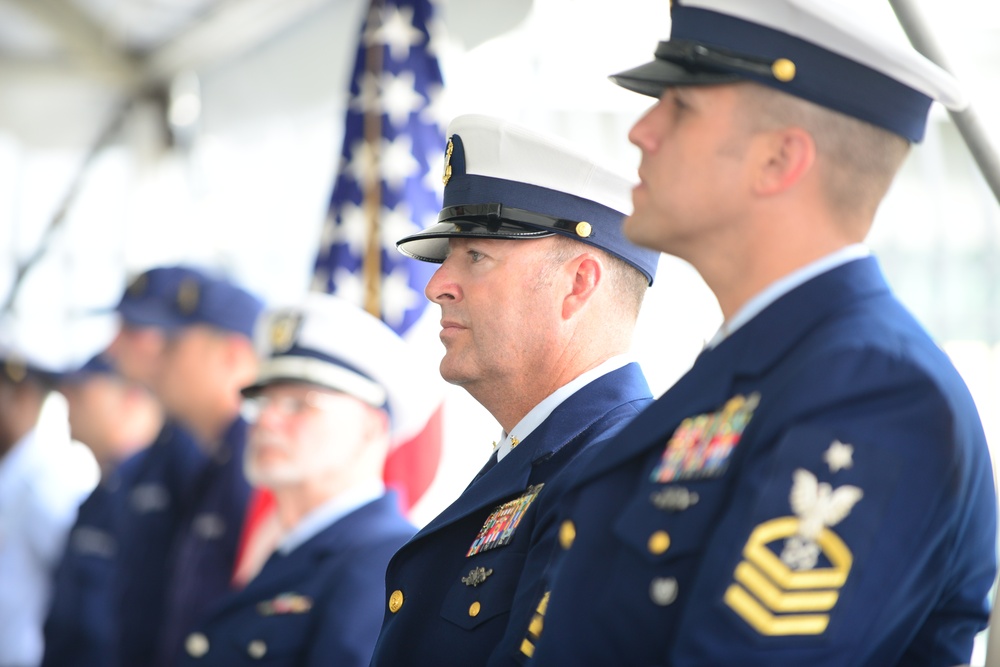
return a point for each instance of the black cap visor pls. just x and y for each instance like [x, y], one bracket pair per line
[487, 221]
[431, 245]
[687, 63]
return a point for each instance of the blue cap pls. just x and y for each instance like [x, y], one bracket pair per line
[503, 181]
[177, 296]
[813, 49]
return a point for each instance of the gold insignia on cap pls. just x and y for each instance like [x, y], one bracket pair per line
[447, 162]
[138, 286]
[783, 69]
[284, 331]
[188, 295]
[583, 229]
[15, 369]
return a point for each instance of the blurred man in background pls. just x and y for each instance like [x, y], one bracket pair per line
[114, 418]
[41, 486]
[187, 335]
[332, 383]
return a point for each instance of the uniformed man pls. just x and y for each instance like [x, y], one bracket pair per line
[539, 294]
[817, 489]
[333, 384]
[40, 490]
[155, 485]
[114, 418]
[188, 505]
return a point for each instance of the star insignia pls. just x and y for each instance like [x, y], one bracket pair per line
[839, 456]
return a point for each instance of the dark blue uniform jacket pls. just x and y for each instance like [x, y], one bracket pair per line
[80, 628]
[446, 607]
[204, 551]
[816, 490]
[321, 604]
[156, 489]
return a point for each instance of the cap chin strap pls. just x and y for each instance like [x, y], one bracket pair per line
[317, 371]
[695, 56]
[493, 215]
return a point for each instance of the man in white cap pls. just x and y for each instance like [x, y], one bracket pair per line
[539, 294]
[817, 489]
[333, 386]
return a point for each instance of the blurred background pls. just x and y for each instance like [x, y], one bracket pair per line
[135, 133]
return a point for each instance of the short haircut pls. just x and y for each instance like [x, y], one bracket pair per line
[861, 159]
[624, 280]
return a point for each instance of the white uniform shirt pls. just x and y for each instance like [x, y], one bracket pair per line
[42, 483]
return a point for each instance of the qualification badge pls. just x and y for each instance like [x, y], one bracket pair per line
[795, 566]
[701, 445]
[498, 530]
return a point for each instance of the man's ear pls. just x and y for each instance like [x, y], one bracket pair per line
[785, 156]
[586, 271]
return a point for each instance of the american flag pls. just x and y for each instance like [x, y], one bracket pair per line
[389, 185]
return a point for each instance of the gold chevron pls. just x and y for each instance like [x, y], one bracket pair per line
[767, 623]
[833, 547]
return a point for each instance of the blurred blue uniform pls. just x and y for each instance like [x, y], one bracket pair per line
[204, 550]
[80, 628]
[826, 498]
[156, 488]
[449, 608]
[313, 605]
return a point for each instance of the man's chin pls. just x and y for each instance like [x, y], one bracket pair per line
[273, 477]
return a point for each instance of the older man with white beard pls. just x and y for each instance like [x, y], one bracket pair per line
[333, 385]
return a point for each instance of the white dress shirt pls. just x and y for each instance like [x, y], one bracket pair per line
[42, 483]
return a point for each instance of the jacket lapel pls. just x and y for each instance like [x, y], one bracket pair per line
[749, 352]
[571, 418]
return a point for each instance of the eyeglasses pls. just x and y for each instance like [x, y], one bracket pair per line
[286, 406]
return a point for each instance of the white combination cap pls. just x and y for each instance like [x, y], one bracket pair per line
[505, 181]
[331, 343]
